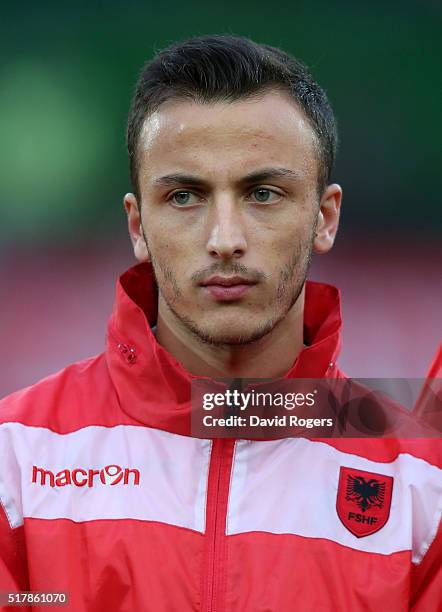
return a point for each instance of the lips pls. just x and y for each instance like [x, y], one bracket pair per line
[226, 281]
[227, 288]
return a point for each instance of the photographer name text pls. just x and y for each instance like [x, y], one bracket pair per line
[252, 420]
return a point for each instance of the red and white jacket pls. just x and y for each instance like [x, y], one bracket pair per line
[104, 493]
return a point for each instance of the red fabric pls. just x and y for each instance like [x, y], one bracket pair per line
[293, 573]
[124, 565]
[428, 407]
[13, 570]
[213, 578]
[426, 579]
[435, 369]
[116, 565]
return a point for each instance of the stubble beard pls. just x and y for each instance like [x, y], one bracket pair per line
[291, 282]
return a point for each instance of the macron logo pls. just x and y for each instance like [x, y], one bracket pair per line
[79, 477]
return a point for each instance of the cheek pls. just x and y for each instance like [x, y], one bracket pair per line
[283, 244]
[175, 240]
[287, 254]
[169, 257]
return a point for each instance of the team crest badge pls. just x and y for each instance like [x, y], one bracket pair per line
[364, 500]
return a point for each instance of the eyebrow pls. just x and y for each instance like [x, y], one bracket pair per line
[174, 180]
[271, 173]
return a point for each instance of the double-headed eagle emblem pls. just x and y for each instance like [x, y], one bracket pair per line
[365, 493]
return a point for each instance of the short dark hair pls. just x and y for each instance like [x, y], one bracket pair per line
[224, 69]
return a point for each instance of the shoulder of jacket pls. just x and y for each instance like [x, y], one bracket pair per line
[32, 404]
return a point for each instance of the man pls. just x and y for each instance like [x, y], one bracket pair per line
[105, 493]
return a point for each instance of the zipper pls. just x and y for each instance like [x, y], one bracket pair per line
[213, 570]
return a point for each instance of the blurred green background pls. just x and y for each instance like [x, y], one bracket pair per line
[68, 72]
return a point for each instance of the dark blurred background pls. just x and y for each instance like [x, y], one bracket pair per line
[67, 75]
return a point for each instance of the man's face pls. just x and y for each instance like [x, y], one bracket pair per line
[229, 205]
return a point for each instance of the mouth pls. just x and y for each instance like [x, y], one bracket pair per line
[227, 288]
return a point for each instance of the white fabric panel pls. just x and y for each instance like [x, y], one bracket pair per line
[172, 486]
[290, 486]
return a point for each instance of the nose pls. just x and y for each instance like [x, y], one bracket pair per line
[227, 237]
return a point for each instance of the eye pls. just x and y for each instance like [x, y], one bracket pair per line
[183, 198]
[265, 196]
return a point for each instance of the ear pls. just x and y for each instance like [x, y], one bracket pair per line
[328, 219]
[135, 229]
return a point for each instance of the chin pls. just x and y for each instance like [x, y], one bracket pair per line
[230, 333]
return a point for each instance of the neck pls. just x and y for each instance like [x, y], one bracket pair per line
[270, 357]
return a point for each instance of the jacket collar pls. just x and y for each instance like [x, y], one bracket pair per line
[154, 389]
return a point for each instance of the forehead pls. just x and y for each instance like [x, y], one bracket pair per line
[227, 139]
